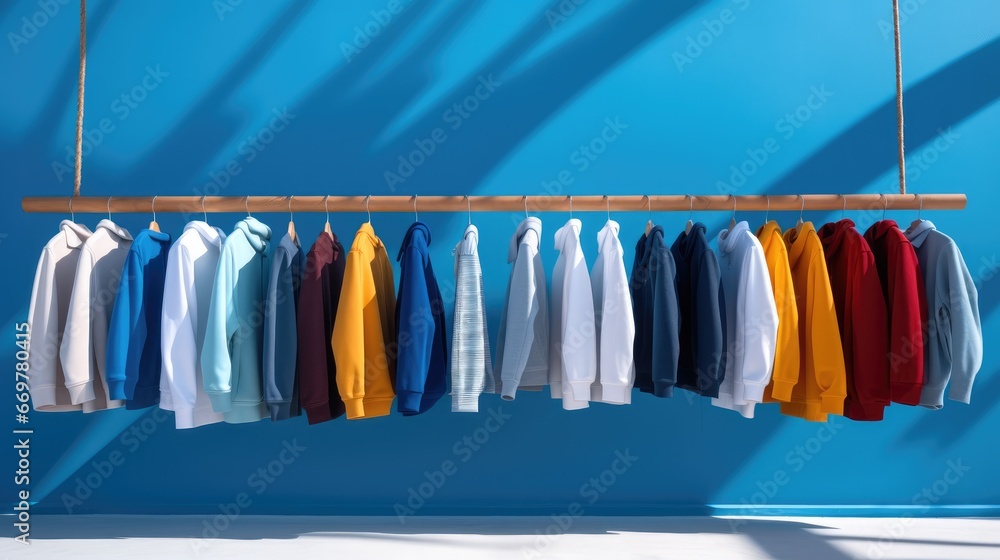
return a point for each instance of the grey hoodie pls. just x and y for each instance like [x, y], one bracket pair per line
[954, 349]
[523, 340]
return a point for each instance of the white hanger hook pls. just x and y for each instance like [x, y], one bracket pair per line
[326, 206]
[109, 207]
[153, 207]
[607, 202]
[203, 211]
[469, 202]
[649, 206]
[734, 206]
[291, 217]
[802, 208]
[72, 214]
[525, 198]
[843, 210]
[246, 202]
[415, 215]
[885, 205]
[368, 208]
[690, 206]
[920, 209]
[768, 211]
[571, 207]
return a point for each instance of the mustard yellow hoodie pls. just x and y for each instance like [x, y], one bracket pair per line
[364, 330]
[785, 374]
[822, 384]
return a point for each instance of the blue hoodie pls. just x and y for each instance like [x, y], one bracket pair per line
[654, 302]
[133, 350]
[421, 343]
[281, 383]
[234, 336]
[702, 363]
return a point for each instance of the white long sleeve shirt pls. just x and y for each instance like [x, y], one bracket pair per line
[471, 366]
[751, 320]
[187, 290]
[573, 335]
[85, 338]
[615, 321]
[47, 314]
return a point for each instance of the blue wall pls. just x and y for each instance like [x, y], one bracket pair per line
[203, 80]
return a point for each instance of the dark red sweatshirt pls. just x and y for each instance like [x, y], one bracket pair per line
[903, 288]
[863, 319]
[318, 298]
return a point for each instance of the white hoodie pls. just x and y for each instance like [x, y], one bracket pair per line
[751, 320]
[191, 266]
[85, 337]
[47, 317]
[573, 338]
[615, 322]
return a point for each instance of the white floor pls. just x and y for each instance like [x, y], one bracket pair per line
[508, 538]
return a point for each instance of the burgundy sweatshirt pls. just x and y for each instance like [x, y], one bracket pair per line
[318, 298]
[863, 319]
[906, 302]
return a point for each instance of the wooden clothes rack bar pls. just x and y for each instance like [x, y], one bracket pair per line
[500, 203]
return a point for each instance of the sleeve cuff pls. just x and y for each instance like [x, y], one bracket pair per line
[116, 390]
[614, 393]
[753, 392]
[581, 390]
[408, 402]
[960, 392]
[221, 402]
[782, 390]
[81, 392]
[832, 404]
[510, 390]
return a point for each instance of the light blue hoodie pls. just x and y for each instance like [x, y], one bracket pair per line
[231, 357]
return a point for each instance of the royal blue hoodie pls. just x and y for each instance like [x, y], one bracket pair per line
[702, 363]
[133, 351]
[422, 355]
[654, 306]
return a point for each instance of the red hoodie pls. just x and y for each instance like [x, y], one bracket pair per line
[863, 319]
[903, 288]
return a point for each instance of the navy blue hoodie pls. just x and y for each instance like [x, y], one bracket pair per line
[702, 363]
[654, 306]
[422, 359]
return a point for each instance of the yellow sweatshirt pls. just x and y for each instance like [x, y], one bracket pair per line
[785, 374]
[822, 384]
[364, 330]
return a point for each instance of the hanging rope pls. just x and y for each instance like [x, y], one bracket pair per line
[78, 171]
[899, 99]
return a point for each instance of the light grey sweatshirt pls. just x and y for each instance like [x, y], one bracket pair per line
[85, 338]
[954, 347]
[471, 366]
[523, 342]
[47, 317]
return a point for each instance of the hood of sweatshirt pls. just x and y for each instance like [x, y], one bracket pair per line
[644, 250]
[418, 234]
[608, 234]
[114, 229]
[210, 234]
[768, 229]
[569, 231]
[687, 242]
[256, 233]
[795, 239]
[75, 233]
[918, 232]
[729, 239]
[833, 233]
[881, 228]
[530, 224]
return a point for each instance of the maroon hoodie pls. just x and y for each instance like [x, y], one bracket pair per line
[318, 298]
[903, 288]
[863, 319]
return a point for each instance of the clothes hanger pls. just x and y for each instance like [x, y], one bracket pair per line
[416, 217]
[571, 207]
[920, 210]
[525, 198]
[767, 212]
[246, 202]
[109, 209]
[843, 211]
[203, 211]
[649, 208]
[326, 227]
[732, 221]
[153, 225]
[72, 214]
[469, 202]
[367, 208]
[798, 224]
[885, 205]
[690, 224]
[291, 221]
[607, 202]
